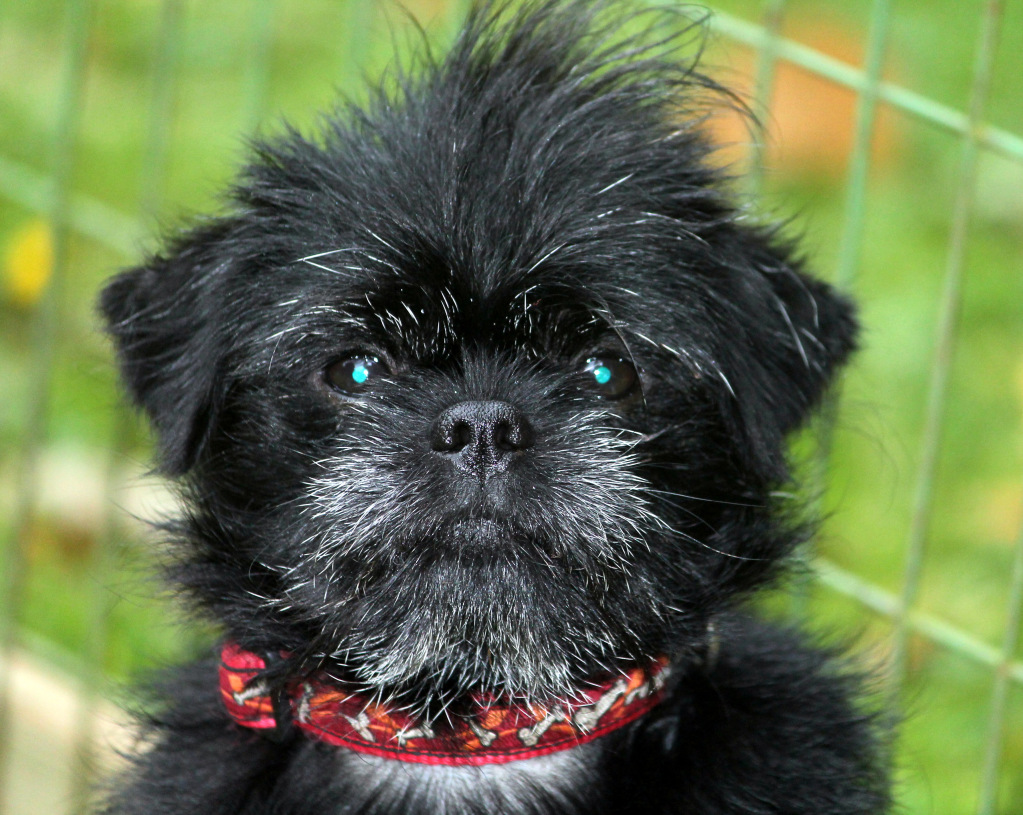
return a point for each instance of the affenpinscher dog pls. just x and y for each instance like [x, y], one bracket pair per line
[478, 406]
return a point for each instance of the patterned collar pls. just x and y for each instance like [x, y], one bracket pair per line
[495, 734]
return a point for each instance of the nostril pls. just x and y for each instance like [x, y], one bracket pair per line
[513, 434]
[460, 436]
[450, 434]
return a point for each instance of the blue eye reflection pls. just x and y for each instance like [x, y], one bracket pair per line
[613, 377]
[360, 373]
[354, 375]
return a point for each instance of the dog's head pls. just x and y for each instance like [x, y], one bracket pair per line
[488, 387]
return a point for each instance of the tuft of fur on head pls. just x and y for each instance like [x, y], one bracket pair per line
[536, 198]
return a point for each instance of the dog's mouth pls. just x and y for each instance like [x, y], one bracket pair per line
[471, 533]
[474, 539]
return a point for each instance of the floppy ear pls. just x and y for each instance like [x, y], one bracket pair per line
[798, 332]
[163, 317]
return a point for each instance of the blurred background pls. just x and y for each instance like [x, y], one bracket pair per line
[893, 143]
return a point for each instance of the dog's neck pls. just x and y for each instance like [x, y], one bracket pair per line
[495, 733]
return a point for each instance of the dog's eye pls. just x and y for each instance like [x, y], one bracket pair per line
[613, 378]
[354, 375]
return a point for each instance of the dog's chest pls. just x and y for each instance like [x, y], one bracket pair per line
[560, 782]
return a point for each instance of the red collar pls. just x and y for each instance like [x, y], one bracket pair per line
[494, 735]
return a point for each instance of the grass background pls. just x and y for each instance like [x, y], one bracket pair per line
[84, 595]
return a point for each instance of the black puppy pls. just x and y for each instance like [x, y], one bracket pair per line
[478, 405]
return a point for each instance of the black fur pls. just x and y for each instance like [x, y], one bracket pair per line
[492, 221]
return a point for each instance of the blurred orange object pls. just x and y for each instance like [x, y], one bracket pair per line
[810, 123]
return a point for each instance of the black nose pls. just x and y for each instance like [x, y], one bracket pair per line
[481, 438]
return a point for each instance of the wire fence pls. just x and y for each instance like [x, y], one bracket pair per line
[44, 175]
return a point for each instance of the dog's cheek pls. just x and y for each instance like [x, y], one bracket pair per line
[265, 445]
[685, 433]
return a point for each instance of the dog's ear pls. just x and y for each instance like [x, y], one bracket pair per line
[164, 319]
[798, 332]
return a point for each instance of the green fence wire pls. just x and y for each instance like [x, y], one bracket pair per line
[44, 339]
[993, 138]
[49, 189]
[951, 301]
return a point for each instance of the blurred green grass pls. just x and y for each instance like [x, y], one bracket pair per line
[320, 46]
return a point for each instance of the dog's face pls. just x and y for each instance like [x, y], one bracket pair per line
[488, 388]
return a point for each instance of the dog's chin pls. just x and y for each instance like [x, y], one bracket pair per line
[480, 607]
